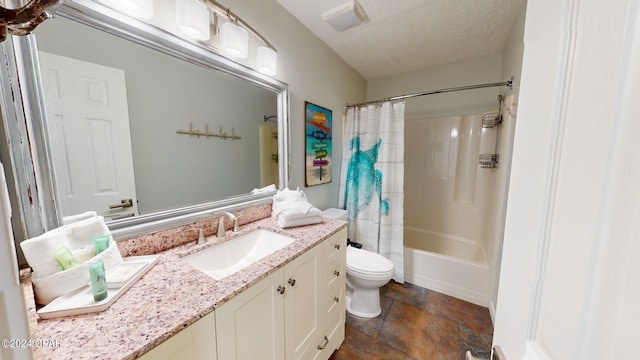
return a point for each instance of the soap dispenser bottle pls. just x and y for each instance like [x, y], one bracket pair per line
[98, 280]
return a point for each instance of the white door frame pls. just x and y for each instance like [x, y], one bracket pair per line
[566, 284]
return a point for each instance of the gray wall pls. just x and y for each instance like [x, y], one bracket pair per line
[314, 73]
[166, 94]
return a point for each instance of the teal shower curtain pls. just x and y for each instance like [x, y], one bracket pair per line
[372, 180]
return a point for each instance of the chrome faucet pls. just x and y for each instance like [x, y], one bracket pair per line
[201, 239]
[221, 231]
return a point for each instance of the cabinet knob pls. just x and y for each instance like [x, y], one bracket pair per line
[337, 246]
[292, 282]
[336, 298]
[281, 289]
[324, 345]
[336, 273]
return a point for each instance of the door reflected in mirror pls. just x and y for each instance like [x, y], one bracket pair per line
[100, 89]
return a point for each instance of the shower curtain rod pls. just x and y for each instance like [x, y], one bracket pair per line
[459, 88]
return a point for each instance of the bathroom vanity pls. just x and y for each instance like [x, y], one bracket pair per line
[289, 305]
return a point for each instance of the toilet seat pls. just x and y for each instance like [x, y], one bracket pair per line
[366, 263]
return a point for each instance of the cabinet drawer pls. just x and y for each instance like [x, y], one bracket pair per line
[328, 340]
[335, 329]
[336, 271]
[335, 298]
[336, 245]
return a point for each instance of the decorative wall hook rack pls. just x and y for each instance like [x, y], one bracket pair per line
[23, 20]
[221, 134]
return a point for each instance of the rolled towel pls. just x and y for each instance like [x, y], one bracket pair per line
[38, 251]
[47, 288]
[83, 232]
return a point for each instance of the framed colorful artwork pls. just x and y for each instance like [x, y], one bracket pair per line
[317, 144]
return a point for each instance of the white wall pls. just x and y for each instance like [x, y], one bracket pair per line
[445, 189]
[314, 73]
[485, 69]
[511, 66]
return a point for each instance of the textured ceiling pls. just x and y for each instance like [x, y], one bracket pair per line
[408, 35]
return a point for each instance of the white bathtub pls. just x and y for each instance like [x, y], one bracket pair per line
[450, 265]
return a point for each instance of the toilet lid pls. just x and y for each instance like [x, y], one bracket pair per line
[366, 261]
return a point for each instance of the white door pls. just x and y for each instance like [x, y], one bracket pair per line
[269, 171]
[90, 139]
[569, 284]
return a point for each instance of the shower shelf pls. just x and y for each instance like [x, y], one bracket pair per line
[488, 161]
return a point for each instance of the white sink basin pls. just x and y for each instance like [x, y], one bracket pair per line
[222, 260]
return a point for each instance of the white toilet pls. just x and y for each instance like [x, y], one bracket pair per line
[367, 272]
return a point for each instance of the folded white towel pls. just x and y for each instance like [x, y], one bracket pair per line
[290, 214]
[299, 205]
[290, 208]
[284, 222]
[266, 189]
[287, 199]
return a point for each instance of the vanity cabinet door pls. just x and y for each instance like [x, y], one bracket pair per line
[196, 342]
[303, 302]
[251, 325]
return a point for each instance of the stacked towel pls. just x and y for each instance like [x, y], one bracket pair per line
[291, 208]
[264, 190]
[48, 278]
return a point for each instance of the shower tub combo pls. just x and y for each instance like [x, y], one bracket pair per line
[450, 265]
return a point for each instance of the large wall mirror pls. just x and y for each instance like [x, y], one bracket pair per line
[124, 101]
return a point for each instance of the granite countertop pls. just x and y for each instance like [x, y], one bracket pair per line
[167, 299]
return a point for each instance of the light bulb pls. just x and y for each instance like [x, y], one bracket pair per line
[266, 60]
[192, 18]
[235, 40]
[142, 9]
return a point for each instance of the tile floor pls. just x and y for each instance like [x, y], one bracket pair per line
[416, 324]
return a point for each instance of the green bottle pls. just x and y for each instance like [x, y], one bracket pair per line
[101, 243]
[65, 258]
[98, 280]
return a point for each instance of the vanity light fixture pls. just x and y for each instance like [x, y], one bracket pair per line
[266, 60]
[192, 18]
[142, 9]
[235, 40]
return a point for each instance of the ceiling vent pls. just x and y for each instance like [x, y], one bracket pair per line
[346, 16]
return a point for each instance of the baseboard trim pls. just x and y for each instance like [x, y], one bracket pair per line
[448, 289]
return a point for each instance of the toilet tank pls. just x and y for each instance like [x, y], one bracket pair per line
[334, 213]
